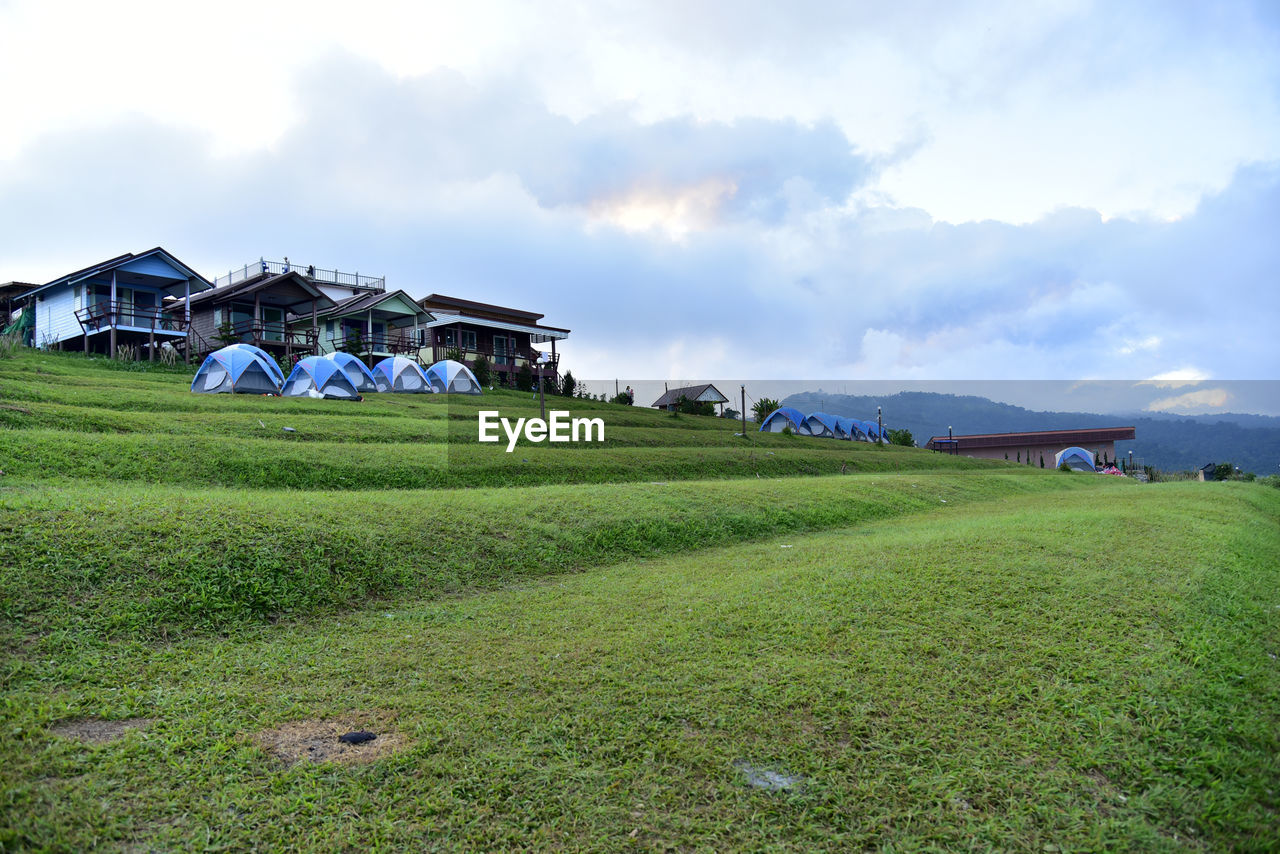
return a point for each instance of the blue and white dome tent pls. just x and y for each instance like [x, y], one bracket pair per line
[317, 376]
[1077, 459]
[821, 424]
[355, 370]
[398, 374]
[783, 417]
[450, 377]
[846, 428]
[235, 370]
[267, 359]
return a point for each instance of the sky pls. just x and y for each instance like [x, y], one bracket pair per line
[821, 191]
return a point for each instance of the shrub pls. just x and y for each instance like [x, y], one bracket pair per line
[524, 378]
[568, 385]
[9, 345]
[903, 437]
[621, 397]
[483, 371]
[695, 407]
[454, 353]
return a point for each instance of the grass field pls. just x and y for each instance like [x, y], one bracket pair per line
[680, 639]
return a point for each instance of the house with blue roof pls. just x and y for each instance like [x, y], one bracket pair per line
[128, 300]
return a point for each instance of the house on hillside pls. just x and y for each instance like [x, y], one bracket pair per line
[130, 300]
[505, 336]
[705, 393]
[274, 311]
[1029, 448]
[374, 325]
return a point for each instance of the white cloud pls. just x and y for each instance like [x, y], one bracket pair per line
[1193, 402]
[1177, 378]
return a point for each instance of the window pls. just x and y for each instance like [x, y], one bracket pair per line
[468, 339]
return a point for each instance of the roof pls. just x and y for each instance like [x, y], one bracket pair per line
[537, 333]
[1040, 437]
[261, 282]
[364, 302]
[705, 392]
[480, 309]
[120, 261]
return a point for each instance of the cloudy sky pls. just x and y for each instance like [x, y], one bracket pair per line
[842, 191]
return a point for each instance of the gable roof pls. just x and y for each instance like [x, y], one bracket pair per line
[364, 302]
[265, 281]
[159, 253]
[480, 309]
[705, 392]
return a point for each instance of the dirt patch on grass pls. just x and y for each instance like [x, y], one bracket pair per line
[317, 740]
[98, 731]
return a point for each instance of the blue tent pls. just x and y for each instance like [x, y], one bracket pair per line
[783, 417]
[846, 428]
[233, 369]
[450, 377]
[355, 371]
[821, 424]
[396, 373]
[1077, 459]
[316, 376]
[267, 359]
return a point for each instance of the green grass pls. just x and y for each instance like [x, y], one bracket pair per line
[946, 655]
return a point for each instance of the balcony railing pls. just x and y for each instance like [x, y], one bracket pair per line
[104, 315]
[315, 274]
[407, 345]
[267, 332]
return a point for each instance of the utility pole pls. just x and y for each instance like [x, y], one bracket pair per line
[542, 400]
[879, 427]
[744, 412]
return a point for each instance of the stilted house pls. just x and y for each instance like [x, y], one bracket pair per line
[505, 336]
[136, 301]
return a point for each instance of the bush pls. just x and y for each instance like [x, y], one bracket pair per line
[524, 378]
[482, 369]
[454, 353]
[903, 437]
[695, 407]
[568, 385]
[621, 397]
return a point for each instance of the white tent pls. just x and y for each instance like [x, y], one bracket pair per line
[450, 377]
[317, 376]
[398, 374]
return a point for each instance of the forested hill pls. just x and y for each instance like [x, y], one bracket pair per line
[1166, 442]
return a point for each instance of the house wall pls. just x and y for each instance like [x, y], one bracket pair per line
[1107, 449]
[56, 317]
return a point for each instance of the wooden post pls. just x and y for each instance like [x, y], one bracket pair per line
[315, 326]
[257, 318]
[112, 315]
[186, 317]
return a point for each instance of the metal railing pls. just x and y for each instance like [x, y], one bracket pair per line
[260, 332]
[315, 274]
[103, 315]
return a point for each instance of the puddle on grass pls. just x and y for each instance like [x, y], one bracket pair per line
[97, 730]
[317, 740]
[767, 779]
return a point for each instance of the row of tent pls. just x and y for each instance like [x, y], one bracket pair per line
[245, 369]
[822, 424]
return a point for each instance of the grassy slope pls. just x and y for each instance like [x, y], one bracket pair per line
[958, 656]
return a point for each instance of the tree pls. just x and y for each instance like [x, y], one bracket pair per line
[902, 437]
[761, 408]
[568, 385]
[524, 378]
[730, 413]
[225, 334]
[480, 367]
[1042, 461]
[354, 344]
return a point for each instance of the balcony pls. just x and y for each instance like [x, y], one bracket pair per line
[315, 274]
[122, 315]
[272, 334]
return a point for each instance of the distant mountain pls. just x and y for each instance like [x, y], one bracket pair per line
[1168, 442]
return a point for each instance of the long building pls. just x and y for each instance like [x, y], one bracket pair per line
[1030, 447]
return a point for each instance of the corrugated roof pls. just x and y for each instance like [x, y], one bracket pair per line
[1039, 437]
[690, 392]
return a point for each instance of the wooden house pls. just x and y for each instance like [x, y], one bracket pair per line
[274, 311]
[505, 336]
[374, 325]
[131, 300]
